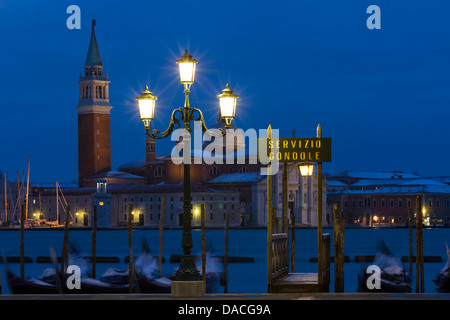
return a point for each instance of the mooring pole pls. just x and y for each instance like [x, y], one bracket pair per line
[269, 219]
[22, 225]
[293, 242]
[419, 246]
[130, 251]
[94, 240]
[338, 250]
[285, 198]
[203, 218]
[319, 214]
[225, 262]
[161, 230]
[410, 220]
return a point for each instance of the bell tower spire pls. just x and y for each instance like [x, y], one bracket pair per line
[94, 141]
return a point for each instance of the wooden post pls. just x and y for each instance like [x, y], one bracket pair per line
[419, 247]
[57, 204]
[319, 214]
[22, 225]
[6, 202]
[293, 242]
[225, 258]
[338, 250]
[269, 219]
[279, 225]
[161, 230]
[94, 240]
[203, 218]
[28, 188]
[65, 252]
[285, 198]
[421, 250]
[410, 217]
[130, 251]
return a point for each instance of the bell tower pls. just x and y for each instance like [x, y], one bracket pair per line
[94, 140]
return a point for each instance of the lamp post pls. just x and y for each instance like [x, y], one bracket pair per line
[182, 117]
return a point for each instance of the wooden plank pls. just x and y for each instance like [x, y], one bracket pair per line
[297, 282]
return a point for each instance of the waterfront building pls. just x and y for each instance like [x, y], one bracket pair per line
[388, 198]
[145, 202]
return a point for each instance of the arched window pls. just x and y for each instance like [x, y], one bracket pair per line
[243, 170]
[159, 172]
[214, 171]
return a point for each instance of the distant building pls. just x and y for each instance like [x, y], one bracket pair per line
[388, 198]
[144, 202]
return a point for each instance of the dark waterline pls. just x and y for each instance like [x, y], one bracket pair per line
[243, 277]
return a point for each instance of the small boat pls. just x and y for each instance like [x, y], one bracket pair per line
[89, 285]
[17, 285]
[442, 280]
[147, 279]
[393, 276]
[53, 281]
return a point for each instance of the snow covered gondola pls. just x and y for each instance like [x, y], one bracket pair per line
[442, 280]
[17, 285]
[393, 278]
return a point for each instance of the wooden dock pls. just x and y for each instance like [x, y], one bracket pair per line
[282, 281]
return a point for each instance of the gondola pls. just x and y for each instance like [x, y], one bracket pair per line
[53, 281]
[394, 278]
[146, 276]
[17, 285]
[442, 280]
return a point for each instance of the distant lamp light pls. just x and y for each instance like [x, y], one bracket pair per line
[375, 218]
[100, 203]
[306, 169]
[186, 67]
[227, 103]
[147, 104]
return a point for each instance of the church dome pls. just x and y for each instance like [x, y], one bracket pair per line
[238, 142]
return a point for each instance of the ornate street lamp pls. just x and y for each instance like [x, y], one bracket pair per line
[182, 117]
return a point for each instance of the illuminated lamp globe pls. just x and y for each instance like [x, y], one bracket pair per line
[147, 104]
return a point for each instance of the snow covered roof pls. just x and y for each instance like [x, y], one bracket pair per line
[378, 175]
[336, 183]
[237, 178]
[397, 182]
[413, 189]
[115, 175]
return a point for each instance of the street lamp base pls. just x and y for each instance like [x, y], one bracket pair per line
[187, 289]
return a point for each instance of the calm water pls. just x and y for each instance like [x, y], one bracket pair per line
[243, 277]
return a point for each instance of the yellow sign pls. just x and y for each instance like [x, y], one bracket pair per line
[299, 149]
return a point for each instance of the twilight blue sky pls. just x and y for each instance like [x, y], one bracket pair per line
[383, 96]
